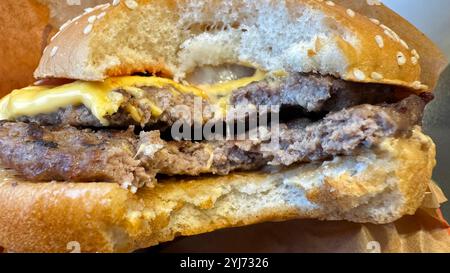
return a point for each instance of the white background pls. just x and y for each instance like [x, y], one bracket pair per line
[430, 16]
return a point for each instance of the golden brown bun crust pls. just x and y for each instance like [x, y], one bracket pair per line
[61, 11]
[378, 186]
[173, 37]
[432, 59]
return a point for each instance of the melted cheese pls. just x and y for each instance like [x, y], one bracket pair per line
[32, 101]
[102, 99]
[220, 94]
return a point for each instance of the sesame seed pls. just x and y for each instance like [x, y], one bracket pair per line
[330, 3]
[101, 15]
[54, 51]
[418, 85]
[401, 59]
[92, 19]
[88, 10]
[373, 2]
[414, 60]
[375, 21]
[376, 76]
[65, 25]
[131, 4]
[415, 54]
[404, 44]
[380, 41]
[115, 2]
[54, 36]
[88, 29]
[350, 13]
[390, 33]
[359, 75]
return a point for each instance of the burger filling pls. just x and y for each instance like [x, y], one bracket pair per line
[119, 131]
[309, 92]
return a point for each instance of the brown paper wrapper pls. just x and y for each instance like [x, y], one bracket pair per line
[423, 232]
[426, 231]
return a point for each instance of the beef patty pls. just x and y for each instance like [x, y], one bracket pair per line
[68, 154]
[311, 92]
[64, 153]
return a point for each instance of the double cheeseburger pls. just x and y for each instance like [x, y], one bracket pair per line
[88, 153]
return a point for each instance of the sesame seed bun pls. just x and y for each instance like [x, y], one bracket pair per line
[62, 11]
[175, 37]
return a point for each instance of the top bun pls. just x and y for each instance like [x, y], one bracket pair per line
[174, 37]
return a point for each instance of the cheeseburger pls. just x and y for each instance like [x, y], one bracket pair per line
[104, 149]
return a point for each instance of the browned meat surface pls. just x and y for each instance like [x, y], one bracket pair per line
[72, 115]
[69, 154]
[340, 133]
[313, 93]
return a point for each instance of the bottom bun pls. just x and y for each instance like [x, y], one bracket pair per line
[377, 186]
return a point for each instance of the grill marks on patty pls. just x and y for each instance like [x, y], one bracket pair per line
[300, 141]
[171, 102]
[311, 92]
[69, 154]
[51, 146]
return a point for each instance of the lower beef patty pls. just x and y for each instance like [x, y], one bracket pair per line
[68, 154]
[65, 153]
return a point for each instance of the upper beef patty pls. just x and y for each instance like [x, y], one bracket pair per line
[69, 154]
[311, 92]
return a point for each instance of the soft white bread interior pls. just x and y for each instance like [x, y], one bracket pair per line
[377, 186]
[175, 37]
